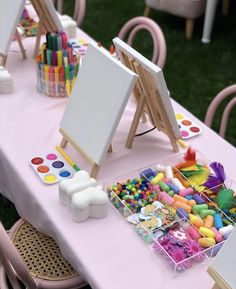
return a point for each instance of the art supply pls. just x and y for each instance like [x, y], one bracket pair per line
[68, 159]
[50, 168]
[6, 83]
[57, 67]
[189, 235]
[9, 16]
[152, 95]
[112, 83]
[187, 128]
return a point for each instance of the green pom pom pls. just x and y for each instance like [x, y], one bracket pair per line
[225, 199]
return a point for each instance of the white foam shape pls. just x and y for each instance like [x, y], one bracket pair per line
[177, 183]
[91, 202]
[69, 26]
[6, 84]
[169, 172]
[67, 188]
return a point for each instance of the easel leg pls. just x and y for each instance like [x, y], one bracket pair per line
[135, 122]
[3, 60]
[38, 37]
[110, 148]
[215, 286]
[64, 142]
[94, 171]
[18, 38]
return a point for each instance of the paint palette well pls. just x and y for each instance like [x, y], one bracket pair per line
[51, 169]
[187, 128]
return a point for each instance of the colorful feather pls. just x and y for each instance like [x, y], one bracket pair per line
[190, 154]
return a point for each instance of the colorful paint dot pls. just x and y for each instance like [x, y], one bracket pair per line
[58, 164]
[51, 157]
[37, 161]
[186, 122]
[50, 178]
[43, 169]
[184, 133]
[65, 174]
[194, 129]
[179, 116]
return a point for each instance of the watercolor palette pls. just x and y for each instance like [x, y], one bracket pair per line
[50, 168]
[187, 128]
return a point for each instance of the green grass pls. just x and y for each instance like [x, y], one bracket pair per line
[194, 72]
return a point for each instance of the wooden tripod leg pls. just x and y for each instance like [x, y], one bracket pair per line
[64, 142]
[135, 122]
[18, 38]
[38, 37]
[110, 149]
[3, 60]
[94, 171]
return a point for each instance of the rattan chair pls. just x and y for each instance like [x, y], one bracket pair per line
[33, 259]
[136, 24]
[79, 10]
[218, 99]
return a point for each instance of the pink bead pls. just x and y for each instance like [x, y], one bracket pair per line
[165, 198]
[218, 236]
[186, 192]
[193, 233]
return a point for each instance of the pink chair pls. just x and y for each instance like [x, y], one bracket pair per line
[188, 9]
[223, 94]
[79, 10]
[34, 259]
[159, 44]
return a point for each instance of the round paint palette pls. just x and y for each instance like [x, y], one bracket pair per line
[51, 169]
[187, 128]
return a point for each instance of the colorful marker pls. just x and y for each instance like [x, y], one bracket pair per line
[67, 158]
[52, 90]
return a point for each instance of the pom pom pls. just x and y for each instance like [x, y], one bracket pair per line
[225, 199]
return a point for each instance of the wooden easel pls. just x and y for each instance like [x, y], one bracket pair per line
[46, 22]
[220, 283]
[66, 139]
[148, 100]
[3, 57]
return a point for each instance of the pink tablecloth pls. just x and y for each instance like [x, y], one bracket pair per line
[107, 251]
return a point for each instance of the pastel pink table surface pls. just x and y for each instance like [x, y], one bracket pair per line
[106, 251]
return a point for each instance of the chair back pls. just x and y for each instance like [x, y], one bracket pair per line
[79, 10]
[12, 264]
[222, 95]
[159, 43]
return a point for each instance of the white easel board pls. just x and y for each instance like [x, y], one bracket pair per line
[10, 13]
[157, 73]
[222, 268]
[97, 102]
[53, 13]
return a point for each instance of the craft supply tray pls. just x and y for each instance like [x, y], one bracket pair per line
[51, 168]
[182, 241]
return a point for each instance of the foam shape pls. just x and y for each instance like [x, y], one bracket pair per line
[6, 84]
[91, 202]
[69, 25]
[67, 188]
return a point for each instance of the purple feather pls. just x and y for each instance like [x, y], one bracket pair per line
[219, 171]
[214, 181]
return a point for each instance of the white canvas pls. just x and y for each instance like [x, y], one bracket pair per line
[97, 102]
[10, 13]
[156, 71]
